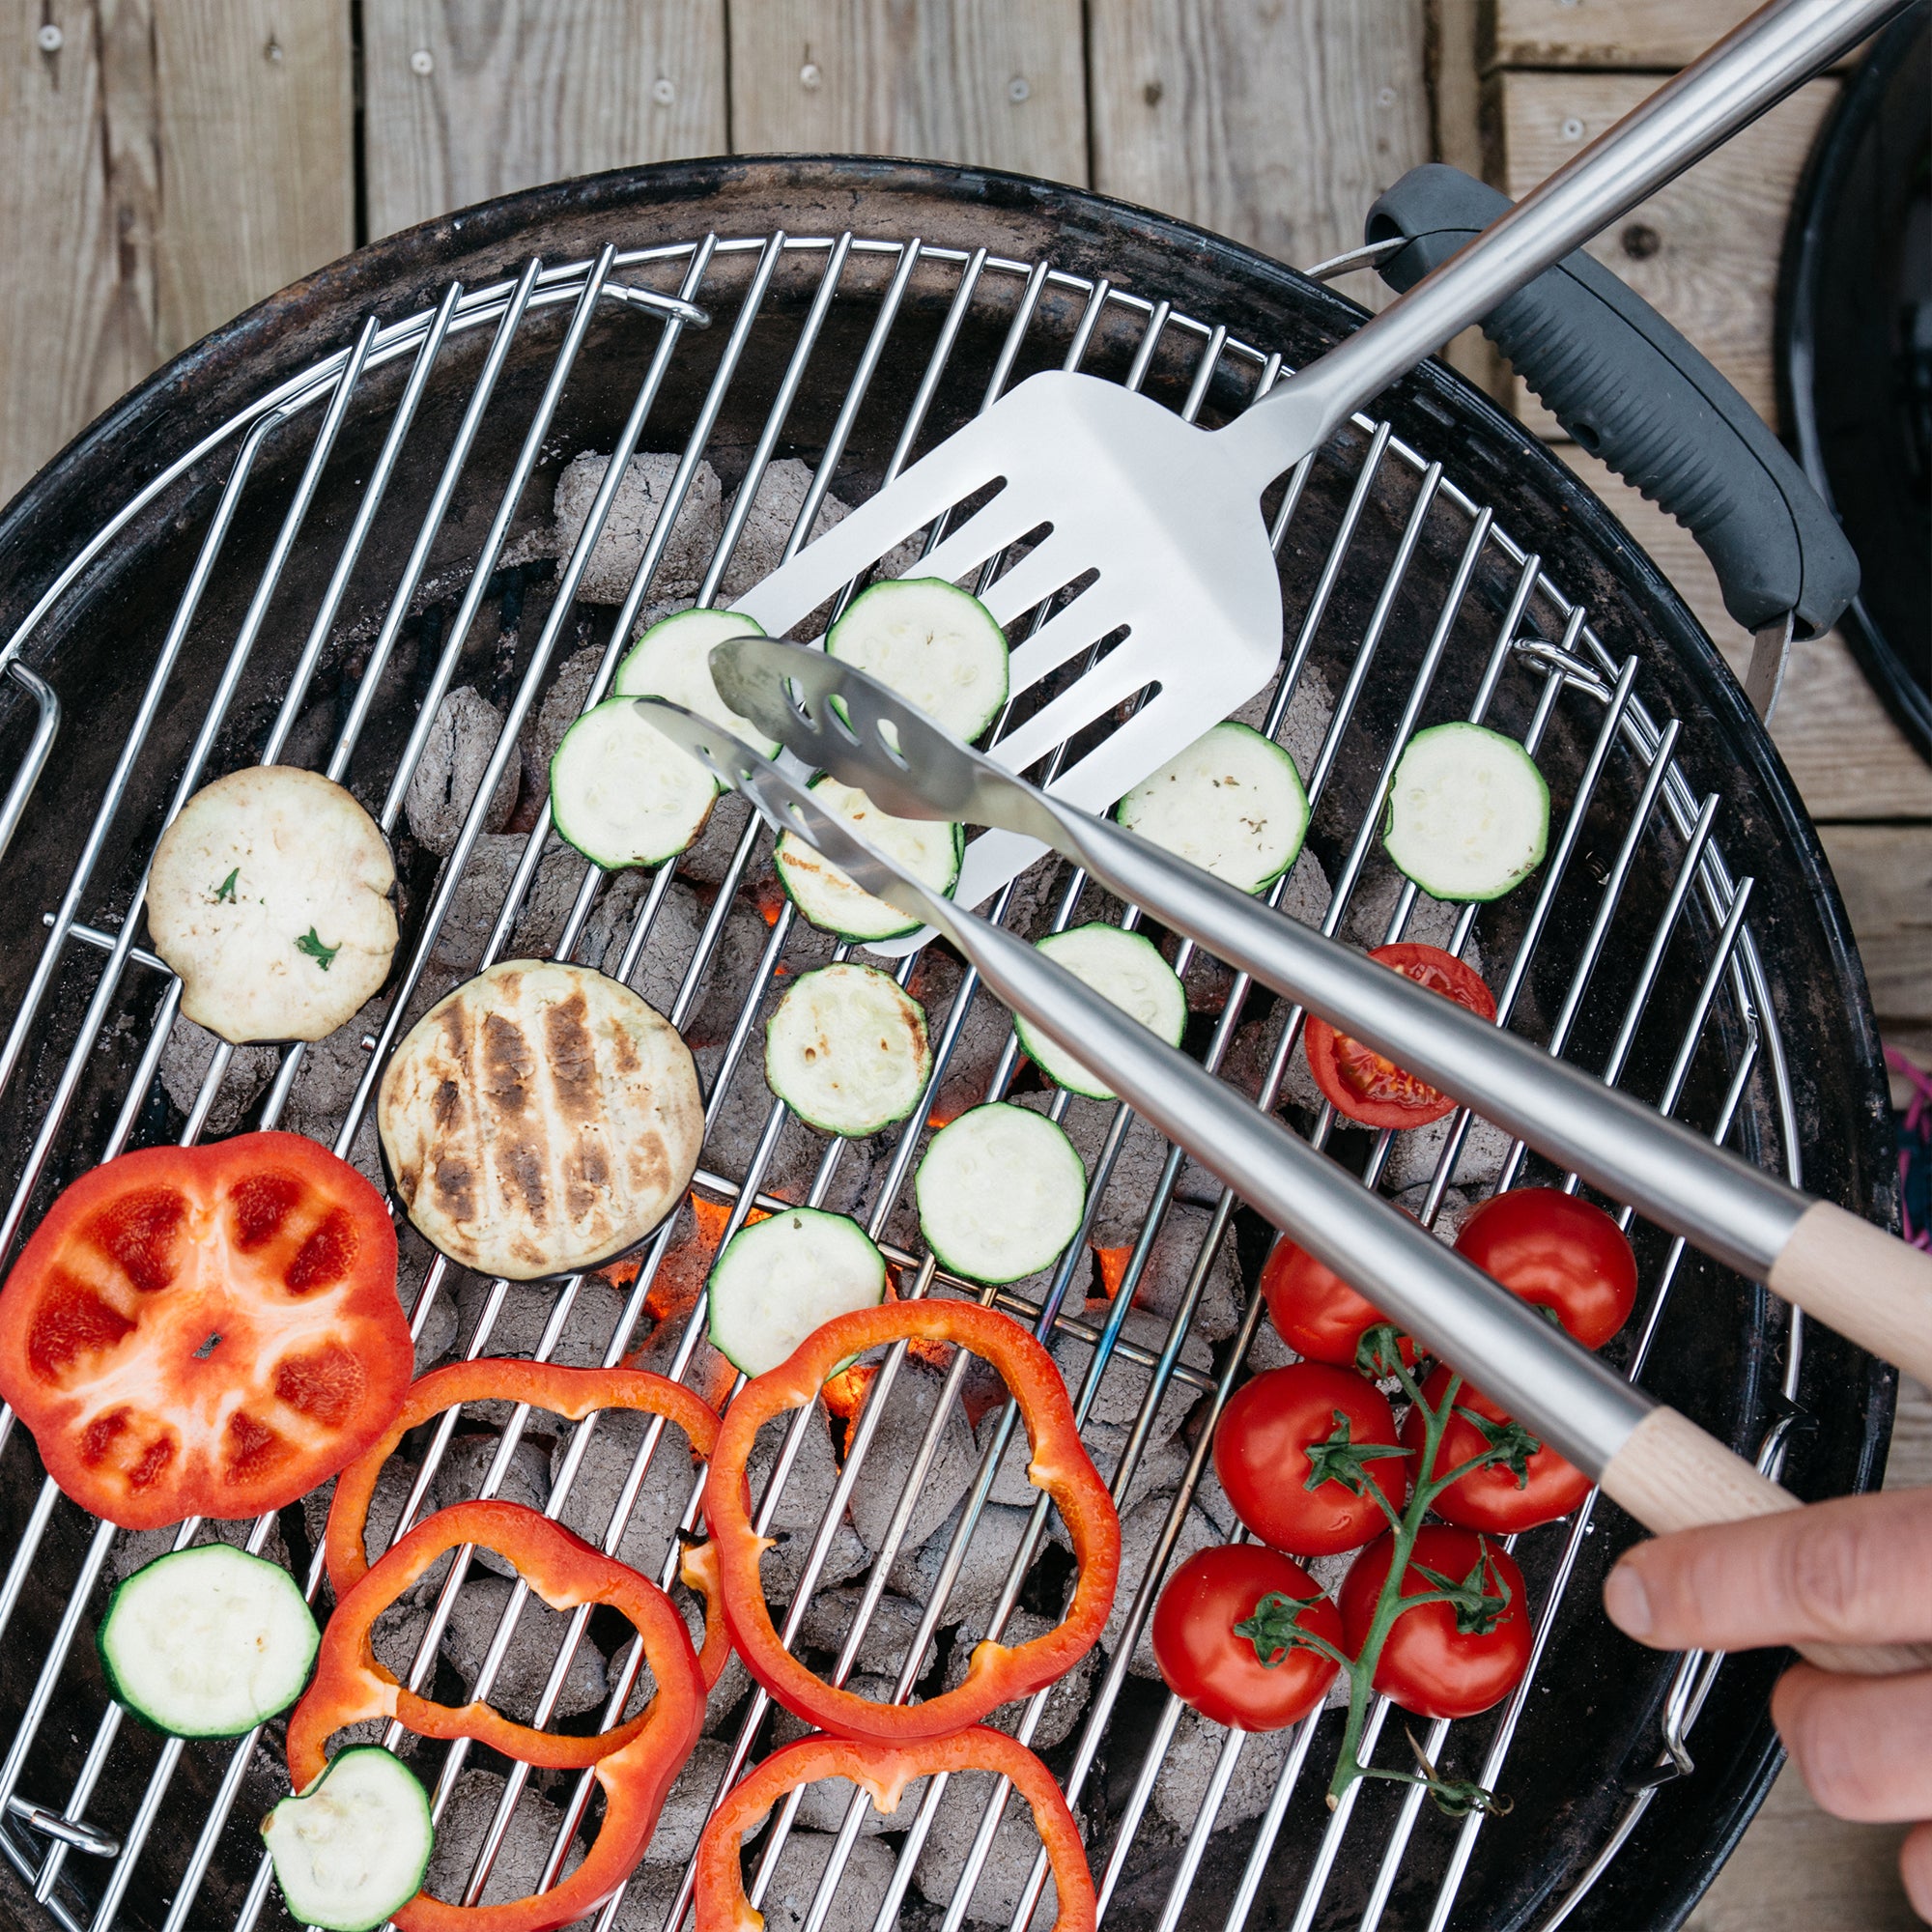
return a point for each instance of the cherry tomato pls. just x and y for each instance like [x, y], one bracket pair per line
[1558, 1252]
[1493, 1497]
[1438, 1660]
[1360, 1082]
[1315, 1311]
[1262, 1455]
[1222, 1675]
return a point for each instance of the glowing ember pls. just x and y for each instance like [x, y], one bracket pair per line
[845, 1392]
[1113, 1267]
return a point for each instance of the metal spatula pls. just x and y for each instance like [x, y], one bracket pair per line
[1860, 1280]
[1668, 1472]
[1166, 518]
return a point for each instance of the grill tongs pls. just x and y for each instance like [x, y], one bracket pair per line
[1661, 1467]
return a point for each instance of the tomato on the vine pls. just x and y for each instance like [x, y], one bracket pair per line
[1239, 1678]
[1315, 1311]
[1298, 1450]
[1529, 1487]
[1556, 1251]
[1443, 1659]
[1361, 1083]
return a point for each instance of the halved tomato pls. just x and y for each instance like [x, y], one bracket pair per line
[1357, 1081]
[206, 1331]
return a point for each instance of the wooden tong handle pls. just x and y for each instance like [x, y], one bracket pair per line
[1862, 1282]
[1670, 1475]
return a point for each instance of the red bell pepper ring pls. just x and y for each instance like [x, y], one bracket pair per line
[571, 1393]
[997, 1674]
[635, 1763]
[206, 1331]
[885, 1771]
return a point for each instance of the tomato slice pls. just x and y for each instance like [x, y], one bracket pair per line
[1208, 1664]
[1492, 1497]
[206, 1331]
[1359, 1082]
[1436, 1661]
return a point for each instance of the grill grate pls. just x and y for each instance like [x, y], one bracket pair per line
[1403, 601]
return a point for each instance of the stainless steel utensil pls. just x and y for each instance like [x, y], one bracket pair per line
[1865, 1283]
[1665, 1470]
[1166, 519]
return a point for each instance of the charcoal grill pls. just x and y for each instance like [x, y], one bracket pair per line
[294, 540]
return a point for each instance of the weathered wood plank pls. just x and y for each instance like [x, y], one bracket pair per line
[470, 98]
[1275, 123]
[1703, 252]
[1658, 34]
[1849, 760]
[1885, 873]
[255, 131]
[62, 360]
[974, 81]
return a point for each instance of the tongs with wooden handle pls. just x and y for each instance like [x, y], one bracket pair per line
[1851, 1275]
[1665, 1470]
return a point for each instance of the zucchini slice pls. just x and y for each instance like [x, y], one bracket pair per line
[830, 901]
[936, 645]
[351, 1851]
[1469, 813]
[1232, 804]
[1123, 967]
[1001, 1192]
[207, 1642]
[623, 793]
[778, 1279]
[672, 660]
[847, 1050]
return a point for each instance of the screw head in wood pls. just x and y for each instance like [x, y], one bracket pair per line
[1017, 87]
[1385, 96]
[422, 61]
[808, 75]
[50, 39]
[664, 90]
[1571, 128]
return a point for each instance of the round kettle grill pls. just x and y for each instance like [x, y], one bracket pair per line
[290, 543]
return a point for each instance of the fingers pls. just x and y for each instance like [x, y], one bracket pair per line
[1860, 1742]
[1857, 1570]
[1914, 1866]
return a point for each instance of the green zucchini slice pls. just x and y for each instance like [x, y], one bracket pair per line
[1123, 967]
[1001, 1193]
[1232, 804]
[847, 1050]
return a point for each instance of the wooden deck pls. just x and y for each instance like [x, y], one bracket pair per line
[165, 163]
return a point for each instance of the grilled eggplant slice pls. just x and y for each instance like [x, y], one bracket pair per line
[540, 1119]
[269, 898]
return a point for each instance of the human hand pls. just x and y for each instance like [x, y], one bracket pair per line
[1857, 1570]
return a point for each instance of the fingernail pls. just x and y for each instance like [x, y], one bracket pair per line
[1627, 1600]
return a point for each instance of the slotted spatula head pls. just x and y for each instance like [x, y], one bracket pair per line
[1165, 529]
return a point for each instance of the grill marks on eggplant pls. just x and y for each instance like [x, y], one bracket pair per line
[541, 1118]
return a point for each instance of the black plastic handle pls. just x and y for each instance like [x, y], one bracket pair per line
[1634, 392]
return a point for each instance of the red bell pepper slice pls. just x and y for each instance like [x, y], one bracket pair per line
[1061, 1466]
[206, 1331]
[635, 1763]
[885, 1771]
[571, 1393]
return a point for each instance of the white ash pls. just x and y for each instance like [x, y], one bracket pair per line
[525, 1670]
[447, 776]
[393, 1483]
[708, 857]
[1450, 1213]
[856, 1900]
[135, 1548]
[1306, 722]
[606, 932]
[821, 1803]
[688, 1804]
[479, 897]
[396, 1636]
[1124, 1384]
[728, 975]
[740, 1122]
[801, 1507]
[887, 1638]
[1066, 1700]
[969, 1067]
[668, 949]
[896, 1446]
[1161, 1465]
[1430, 922]
[775, 510]
[1211, 1500]
[1170, 1265]
[1134, 1177]
[519, 1859]
[649, 1893]
[436, 1336]
[563, 702]
[1010, 1860]
[1267, 1351]
[330, 1071]
[526, 1310]
[1189, 1767]
[1479, 1161]
[185, 1063]
[983, 1567]
[608, 1457]
[526, 1480]
[1140, 1529]
[632, 516]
